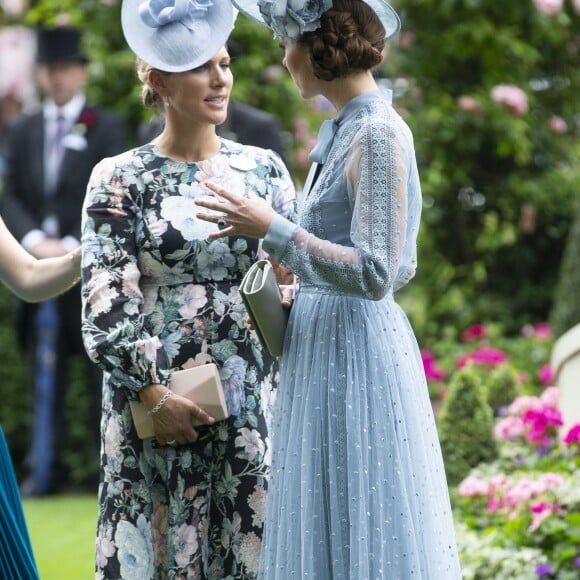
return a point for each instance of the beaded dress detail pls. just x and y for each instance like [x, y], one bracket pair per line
[358, 488]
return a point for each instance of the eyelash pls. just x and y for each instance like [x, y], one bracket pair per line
[205, 67]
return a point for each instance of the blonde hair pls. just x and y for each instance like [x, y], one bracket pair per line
[149, 96]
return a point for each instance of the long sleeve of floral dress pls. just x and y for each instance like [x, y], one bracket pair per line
[359, 222]
[141, 241]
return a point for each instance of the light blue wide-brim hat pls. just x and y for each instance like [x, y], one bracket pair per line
[291, 18]
[176, 35]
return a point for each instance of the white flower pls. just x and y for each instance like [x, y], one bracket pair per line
[135, 549]
[257, 503]
[250, 552]
[101, 295]
[250, 440]
[105, 547]
[186, 540]
[194, 297]
[148, 348]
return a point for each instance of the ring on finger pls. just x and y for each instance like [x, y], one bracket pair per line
[222, 223]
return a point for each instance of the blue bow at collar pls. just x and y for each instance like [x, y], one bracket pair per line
[157, 13]
[324, 142]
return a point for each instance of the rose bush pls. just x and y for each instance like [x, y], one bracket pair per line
[517, 516]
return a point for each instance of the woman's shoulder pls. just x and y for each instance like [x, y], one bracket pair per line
[249, 157]
[129, 161]
[380, 114]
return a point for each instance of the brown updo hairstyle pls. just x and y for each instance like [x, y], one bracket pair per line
[149, 96]
[350, 38]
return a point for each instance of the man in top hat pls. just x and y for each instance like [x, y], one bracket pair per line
[49, 156]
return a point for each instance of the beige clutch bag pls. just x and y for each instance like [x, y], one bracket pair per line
[200, 384]
[261, 295]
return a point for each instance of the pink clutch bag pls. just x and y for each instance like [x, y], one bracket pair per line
[200, 384]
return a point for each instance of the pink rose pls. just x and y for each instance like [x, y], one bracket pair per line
[432, 370]
[474, 332]
[486, 356]
[472, 486]
[550, 396]
[521, 405]
[467, 103]
[546, 375]
[557, 124]
[573, 436]
[514, 98]
[509, 428]
[543, 330]
[549, 6]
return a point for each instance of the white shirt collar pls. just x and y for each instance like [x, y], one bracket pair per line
[71, 110]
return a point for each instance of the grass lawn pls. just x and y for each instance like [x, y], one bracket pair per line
[62, 530]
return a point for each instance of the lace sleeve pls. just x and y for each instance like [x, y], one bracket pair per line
[377, 175]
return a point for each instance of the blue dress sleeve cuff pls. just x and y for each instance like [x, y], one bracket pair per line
[278, 237]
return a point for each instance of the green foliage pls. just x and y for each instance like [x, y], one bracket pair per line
[501, 387]
[465, 425]
[566, 311]
[15, 415]
[80, 454]
[498, 184]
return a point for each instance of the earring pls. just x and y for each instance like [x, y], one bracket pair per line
[166, 101]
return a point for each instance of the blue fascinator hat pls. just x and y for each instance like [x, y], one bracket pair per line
[176, 35]
[290, 19]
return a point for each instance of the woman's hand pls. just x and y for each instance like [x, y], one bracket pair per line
[172, 423]
[238, 215]
[287, 295]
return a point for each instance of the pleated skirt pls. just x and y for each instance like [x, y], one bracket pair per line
[357, 486]
[16, 556]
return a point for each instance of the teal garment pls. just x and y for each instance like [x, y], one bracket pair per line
[357, 483]
[16, 556]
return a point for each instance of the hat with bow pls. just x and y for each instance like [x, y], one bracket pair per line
[289, 19]
[176, 35]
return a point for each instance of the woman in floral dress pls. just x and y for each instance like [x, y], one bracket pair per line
[157, 296]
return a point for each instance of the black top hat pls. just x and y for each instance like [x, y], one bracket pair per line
[62, 44]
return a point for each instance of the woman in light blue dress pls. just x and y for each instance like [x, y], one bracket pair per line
[31, 280]
[358, 488]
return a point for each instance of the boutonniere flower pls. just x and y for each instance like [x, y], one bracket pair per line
[76, 137]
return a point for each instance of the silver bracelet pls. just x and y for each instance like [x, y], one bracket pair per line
[162, 402]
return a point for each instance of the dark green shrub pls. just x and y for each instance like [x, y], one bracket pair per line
[465, 425]
[501, 387]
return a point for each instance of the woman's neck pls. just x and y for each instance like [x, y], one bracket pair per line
[341, 91]
[188, 142]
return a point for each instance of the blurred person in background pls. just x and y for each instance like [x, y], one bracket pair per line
[49, 155]
[17, 87]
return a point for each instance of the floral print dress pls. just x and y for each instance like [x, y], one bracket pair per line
[158, 296]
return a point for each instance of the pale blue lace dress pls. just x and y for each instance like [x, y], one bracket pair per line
[358, 488]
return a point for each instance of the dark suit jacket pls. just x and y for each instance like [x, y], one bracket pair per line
[24, 204]
[246, 125]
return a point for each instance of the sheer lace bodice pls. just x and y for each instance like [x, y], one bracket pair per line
[359, 220]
